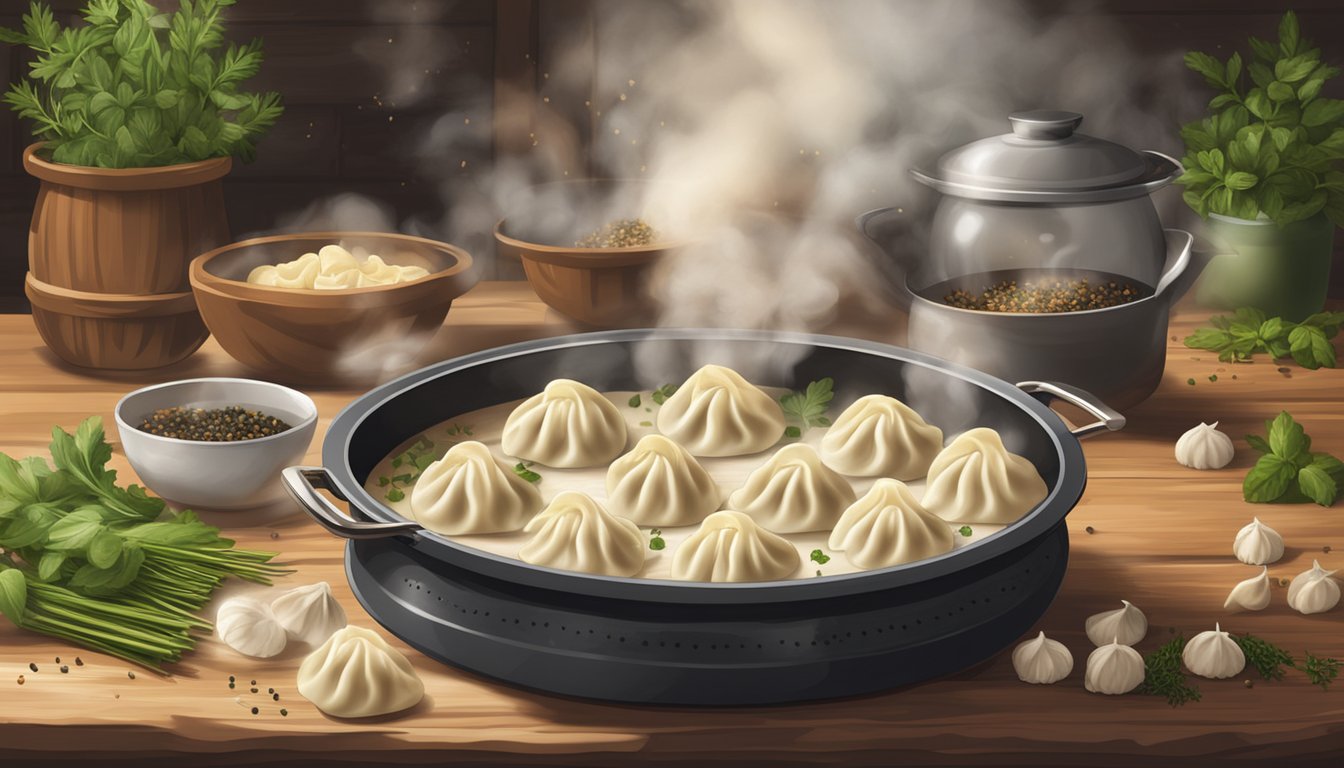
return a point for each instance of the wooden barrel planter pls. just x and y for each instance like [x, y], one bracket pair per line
[108, 252]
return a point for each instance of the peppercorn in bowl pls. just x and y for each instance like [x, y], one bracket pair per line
[216, 443]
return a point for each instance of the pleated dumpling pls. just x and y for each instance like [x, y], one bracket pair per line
[659, 483]
[976, 480]
[881, 436]
[719, 413]
[355, 673]
[470, 491]
[299, 273]
[794, 492]
[574, 533]
[887, 526]
[569, 424]
[730, 546]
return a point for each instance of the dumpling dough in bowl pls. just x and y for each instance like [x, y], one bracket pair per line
[730, 546]
[976, 480]
[574, 533]
[889, 527]
[660, 483]
[470, 491]
[881, 436]
[719, 413]
[794, 492]
[567, 425]
[355, 673]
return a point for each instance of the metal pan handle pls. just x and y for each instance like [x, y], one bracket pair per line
[1109, 419]
[303, 484]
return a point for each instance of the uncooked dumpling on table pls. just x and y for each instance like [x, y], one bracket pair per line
[730, 546]
[659, 483]
[355, 673]
[977, 480]
[567, 425]
[716, 412]
[574, 533]
[888, 526]
[471, 491]
[794, 492]
[879, 436]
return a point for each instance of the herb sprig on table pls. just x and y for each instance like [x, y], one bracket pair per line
[808, 408]
[104, 566]
[1288, 471]
[1163, 675]
[1249, 332]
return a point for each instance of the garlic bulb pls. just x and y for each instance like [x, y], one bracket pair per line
[1251, 594]
[1204, 447]
[1213, 654]
[1125, 626]
[1313, 591]
[249, 627]
[1113, 669]
[309, 613]
[1042, 661]
[1257, 544]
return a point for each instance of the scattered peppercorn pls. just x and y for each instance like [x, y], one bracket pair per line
[1248, 684]
[1090, 529]
[130, 674]
[79, 662]
[255, 710]
[1326, 549]
[65, 669]
[1285, 371]
[213, 425]
[231, 678]
[284, 713]
[1283, 582]
[275, 535]
[254, 690]
[275, 697]
[231, 686]
[254, 682]
[22, 679]
[270, 690]
[58, 659]
[32, 667]
[622, 233]
[1046, 295]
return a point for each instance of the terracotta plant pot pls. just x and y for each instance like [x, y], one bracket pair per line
[126, 235]
[319, 336]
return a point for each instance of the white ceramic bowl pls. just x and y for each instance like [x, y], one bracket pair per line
[222, 476]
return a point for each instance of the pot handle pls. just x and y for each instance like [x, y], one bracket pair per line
[1109, 419]
[1178, 277]
[900, 275]
[303, 484]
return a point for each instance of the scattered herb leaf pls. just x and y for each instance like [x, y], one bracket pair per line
[1268, 659]
[395, 494]
[793, 432]
[809, 407]
[656, 543]
[1163, 676]
[1248, 333]
[635, 401]
[1320, 670]
[383, 481]
[1287, 470]
[965, 530]
[1191, 382]
[646, 423]
[521, 469]
[661, 394]
[819, 557]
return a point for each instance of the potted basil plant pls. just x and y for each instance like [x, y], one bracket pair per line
[138, 115]
[1265, 169]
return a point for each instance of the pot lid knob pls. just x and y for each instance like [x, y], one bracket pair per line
[1044, 124]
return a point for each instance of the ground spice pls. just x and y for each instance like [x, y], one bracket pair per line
[213, 425]
[1047, 295]
[622, 233]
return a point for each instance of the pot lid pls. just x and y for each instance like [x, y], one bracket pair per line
[1044, 158]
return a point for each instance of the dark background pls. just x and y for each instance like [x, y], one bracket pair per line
[335, 135]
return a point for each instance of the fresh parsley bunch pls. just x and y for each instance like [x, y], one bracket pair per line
[1287, 470]
[1249, 332]
[136, 88]
[1274, 148]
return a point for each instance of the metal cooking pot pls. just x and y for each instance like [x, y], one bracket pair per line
[676, 642]
[1045, 196]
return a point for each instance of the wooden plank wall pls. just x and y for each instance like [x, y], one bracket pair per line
[343, 132]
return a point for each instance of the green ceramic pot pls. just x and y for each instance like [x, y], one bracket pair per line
[1284, 271]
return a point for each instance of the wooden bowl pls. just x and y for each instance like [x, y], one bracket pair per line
[312, 336]
[113, 330]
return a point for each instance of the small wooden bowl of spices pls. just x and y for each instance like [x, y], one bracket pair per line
[216, 443]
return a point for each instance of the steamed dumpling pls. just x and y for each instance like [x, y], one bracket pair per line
[569, 424]
[659, 483]
[976, 480]
[881, 436]
[470, 491]
[333, 260]
[889, 527]
[794, 492]
[719, 413]
[730, 546]
[299, 273]
[355, 673]
[375, 271]
[574, 533]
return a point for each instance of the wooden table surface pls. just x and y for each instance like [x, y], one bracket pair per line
[1162, 540]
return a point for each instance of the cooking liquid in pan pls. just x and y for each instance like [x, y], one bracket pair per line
[1038, 291]
[487, 425]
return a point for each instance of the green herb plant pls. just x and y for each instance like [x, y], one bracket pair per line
[808, 408]
[1288, 471]
[134, 88]
[1271, 146]
[106, 567]
[1249, 332]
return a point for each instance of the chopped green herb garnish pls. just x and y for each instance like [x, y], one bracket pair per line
[818, 571]
[661, 394]
[1268, 659]
[965, 530]
[793, 432]
[1287, 470]
[395, 494]
[1191, 382]
[656, 543]
[819, 557]
[646, 423]
[404, 479]
[809, 408]
[458, 429]
[635, 401]
[521, 469]
[384, 480]
[1320, 670]
[1163, 676]
[1213, 377]
[397, 461]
